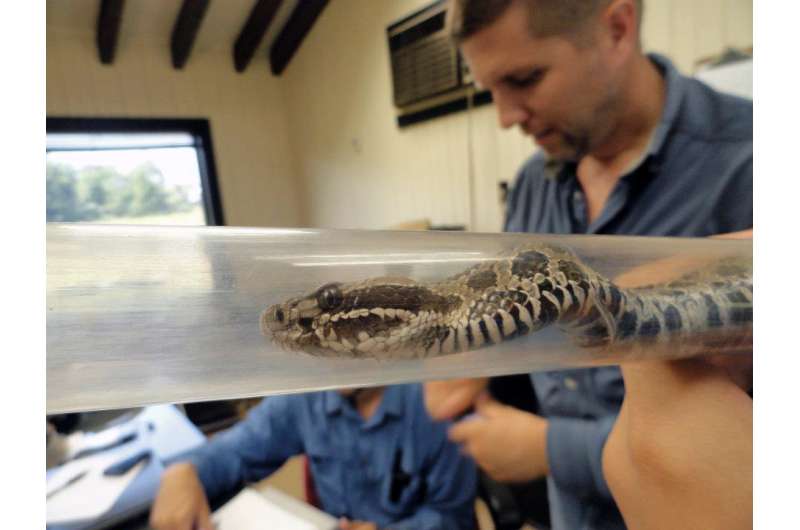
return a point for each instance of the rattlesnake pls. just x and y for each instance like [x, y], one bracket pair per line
[521, 292]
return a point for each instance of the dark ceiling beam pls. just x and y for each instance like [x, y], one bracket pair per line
[185, 30]
[253, 32]
[108, 23]
[293, 33]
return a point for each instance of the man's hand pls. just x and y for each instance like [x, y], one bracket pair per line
[739, 367]
[181, 502]
[347, 524]
[684, 437]
[447, 399]
[507, 443]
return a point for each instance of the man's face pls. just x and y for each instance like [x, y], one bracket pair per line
[559, 94]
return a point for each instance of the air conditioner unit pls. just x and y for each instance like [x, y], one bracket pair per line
[429, 78]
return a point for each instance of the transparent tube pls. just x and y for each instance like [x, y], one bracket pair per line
[139, 315]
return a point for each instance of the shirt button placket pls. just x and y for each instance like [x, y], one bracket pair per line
[579, 209]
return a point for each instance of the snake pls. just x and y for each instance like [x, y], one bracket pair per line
[522, 291]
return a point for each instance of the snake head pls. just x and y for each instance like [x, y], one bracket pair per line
[294, 323]
[363, 319]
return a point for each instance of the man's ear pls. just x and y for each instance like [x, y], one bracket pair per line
[622, 22]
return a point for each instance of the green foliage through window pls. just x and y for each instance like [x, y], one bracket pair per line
[101, 192]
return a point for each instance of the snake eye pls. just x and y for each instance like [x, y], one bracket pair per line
[279, 315]
[329, 296]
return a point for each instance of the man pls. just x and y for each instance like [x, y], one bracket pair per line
[377, 459]
[628, 146]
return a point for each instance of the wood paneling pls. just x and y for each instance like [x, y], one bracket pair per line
[687, 30]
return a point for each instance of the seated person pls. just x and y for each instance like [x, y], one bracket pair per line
[377, 459]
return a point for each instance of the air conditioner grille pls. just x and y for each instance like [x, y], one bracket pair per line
[424, 69]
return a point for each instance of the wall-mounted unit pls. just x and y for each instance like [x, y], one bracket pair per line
[429, 77]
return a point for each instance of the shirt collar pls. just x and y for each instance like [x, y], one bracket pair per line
[333, 402]
[555, 169]
[392, 404]
[674, 96]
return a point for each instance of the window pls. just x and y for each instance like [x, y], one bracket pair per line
[134, 171]
[131, 171]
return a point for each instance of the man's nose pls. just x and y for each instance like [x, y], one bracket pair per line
[510, 111]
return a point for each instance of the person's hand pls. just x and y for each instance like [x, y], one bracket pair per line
[447, 399]
[347, 524]
[684, 437]
[739, 367]
[181, 502]
[508, 444]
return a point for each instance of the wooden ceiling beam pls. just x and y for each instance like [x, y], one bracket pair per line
[185, 30]
[253, 32]
[293, 33]
[108, 23]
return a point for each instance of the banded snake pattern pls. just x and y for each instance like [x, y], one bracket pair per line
[519, 293]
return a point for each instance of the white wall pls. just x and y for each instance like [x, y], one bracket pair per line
[688, 30]
[248, 120]
[361, 171]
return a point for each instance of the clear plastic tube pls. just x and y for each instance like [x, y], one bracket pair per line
[139, 315]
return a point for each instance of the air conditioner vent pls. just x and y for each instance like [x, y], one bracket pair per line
[428, 76]
[424, 60]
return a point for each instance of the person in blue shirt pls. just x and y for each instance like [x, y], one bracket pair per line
[629, 146]
[378, 461]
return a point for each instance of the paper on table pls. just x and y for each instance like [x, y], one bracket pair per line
[95, 493]
[92, 495]
[249, 510]
[87, 443]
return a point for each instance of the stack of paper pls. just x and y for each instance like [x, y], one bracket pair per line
[251, 510]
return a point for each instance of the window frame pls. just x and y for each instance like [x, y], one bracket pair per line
[198, 128]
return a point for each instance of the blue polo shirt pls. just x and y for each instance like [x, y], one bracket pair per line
[397, 469]
[695, 179]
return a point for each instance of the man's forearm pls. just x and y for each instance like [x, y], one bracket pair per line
[219, 471]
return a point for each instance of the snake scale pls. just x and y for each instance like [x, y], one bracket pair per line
[521, 292]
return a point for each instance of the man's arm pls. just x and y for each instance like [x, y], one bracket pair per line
[450, 398]
[252, 449]
[683, 438]
[653, 425]
[511, 445]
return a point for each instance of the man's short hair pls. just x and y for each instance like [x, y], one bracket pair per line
[553, 17]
